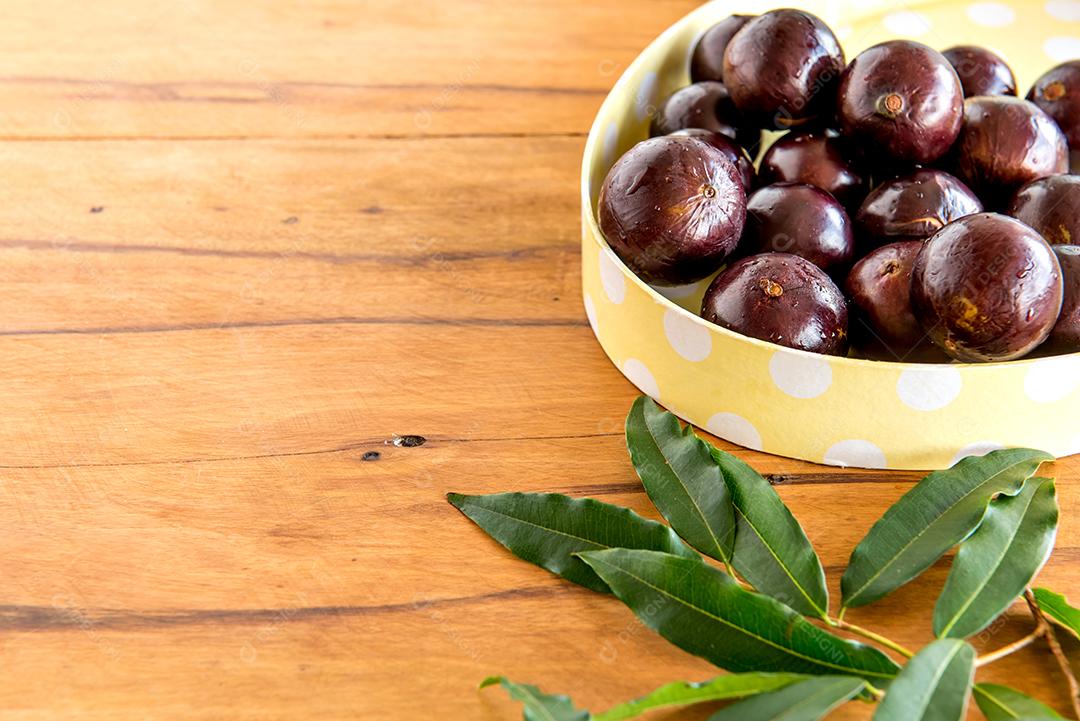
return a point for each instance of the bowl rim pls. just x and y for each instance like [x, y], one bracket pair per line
[588, 209]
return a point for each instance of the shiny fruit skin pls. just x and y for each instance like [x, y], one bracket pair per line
[815, 158]
[879, 287]
[1006, 143]
[1057, 92]
[782, 68]
[780, 298]
[672, 209]
[913, 207]
[705, 105]
[981, 71]
[901, 99]
[1052, 207]
[731, 150]
[1065, 337]
[987, 288]
[801, 220]
[707, 60]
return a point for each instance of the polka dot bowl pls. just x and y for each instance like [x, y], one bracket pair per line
[837, 411]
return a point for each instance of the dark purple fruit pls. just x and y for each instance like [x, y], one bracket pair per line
[782, 68]
[731, 150]
[879, 287]
[1057, 92]
[801, 220]
[1006, 143]
[913, 207]
[704, 105]
[987, 288]
[981, 71]
[780, 298]
[902, 100]
[818, 158]
[672, 209]
[1065, 337]
[707, 61]
[1052, 207]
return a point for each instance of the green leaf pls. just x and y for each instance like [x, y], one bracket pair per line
[806, 701]
[736, 685]
[771, 551]
[548, 529]
[704, 611]
[1001, 703]
[681, 478]
[995, 565]
[538, 706]
[935, 515]
[1057, 609]
[933, 686]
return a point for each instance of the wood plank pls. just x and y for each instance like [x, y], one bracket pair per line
[295, 512]
[353, 666]
[164, 68]
[195, 234]
[332, 201]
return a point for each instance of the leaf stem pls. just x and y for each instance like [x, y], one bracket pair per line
[1055, 648]
[1011, 648]
[737, 578]
[867, 633]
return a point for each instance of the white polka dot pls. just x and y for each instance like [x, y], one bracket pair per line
[611, 141]
[1062, 48]
[590, 312]
[994, 15]
[906, 22]
[799, 375]
[641, 376]
[645, 99]
[611, 277]
[1067, 10]
[1052, 379]
[689, 338]
[979, 448]
[928, 389]
[861, 454]
[844, 32]
[676, 292]
[734, 428]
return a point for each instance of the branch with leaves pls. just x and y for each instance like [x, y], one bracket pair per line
[763, 612]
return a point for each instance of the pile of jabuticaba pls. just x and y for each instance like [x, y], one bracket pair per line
[916, 206]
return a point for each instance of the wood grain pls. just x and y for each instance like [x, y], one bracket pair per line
[245, 247]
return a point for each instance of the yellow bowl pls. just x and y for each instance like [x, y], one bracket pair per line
[838, 411]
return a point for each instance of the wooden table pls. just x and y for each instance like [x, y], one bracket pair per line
[245, 246]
